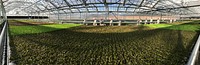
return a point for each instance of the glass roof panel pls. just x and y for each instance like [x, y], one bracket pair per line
[71, 6]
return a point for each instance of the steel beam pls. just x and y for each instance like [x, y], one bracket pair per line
[38, 8]
[56, 6]
[9, 3]
[124, 2]
[139, 6]
[177, 7]
[96, 8]
[106, 5]
[155, 3]
[103, 12]
[32, 4]
[68, 5]
[84, 2]
[118, 7]
[141, 3]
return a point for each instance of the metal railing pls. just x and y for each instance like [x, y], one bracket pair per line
[4, 45]
[195, 52]
[4, 37]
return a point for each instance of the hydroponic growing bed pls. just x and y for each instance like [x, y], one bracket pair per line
[169, 44]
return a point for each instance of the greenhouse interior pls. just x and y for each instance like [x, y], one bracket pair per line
[99, 32]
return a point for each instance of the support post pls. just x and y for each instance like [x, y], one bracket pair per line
[151, 20]
[158, 21]
[174, 20]
[145, 21]
[120, 23]
[69, 16]
[111, 22]
[95, 23]
[4, 37]
[140, 21]
[100, 22]
[84, 22]
[171, 21]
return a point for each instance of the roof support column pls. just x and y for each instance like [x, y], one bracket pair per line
[107, 9]
[106, 5]
[58, 14]
[124, 2]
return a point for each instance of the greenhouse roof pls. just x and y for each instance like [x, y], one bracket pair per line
[174, 7]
